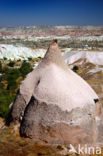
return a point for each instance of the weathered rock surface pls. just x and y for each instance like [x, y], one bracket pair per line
[12, 52]
[56, 104]
[94, 57]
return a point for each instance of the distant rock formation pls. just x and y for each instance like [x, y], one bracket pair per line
[12, 52]
[56, 105]
[94, 57]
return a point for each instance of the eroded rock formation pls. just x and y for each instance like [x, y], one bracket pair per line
[56, 105]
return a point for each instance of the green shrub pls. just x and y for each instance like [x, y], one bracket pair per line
[0, 67]
[11, 63]
[11, 78]
[5, 70]
[30, 58]
[75, 68]
[12, 85]
[12, 74]
[5, 58]
[5, 100]
[25, 68]
[7, 95]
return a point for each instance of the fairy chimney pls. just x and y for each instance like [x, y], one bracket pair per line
[54, 104]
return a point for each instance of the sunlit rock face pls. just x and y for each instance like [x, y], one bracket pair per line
[12, 52]
[94, 57]
[90, 68]
[56, 105]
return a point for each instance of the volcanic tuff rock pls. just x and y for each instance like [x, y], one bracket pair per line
[56, 105]
[12, 52]
[94, 57]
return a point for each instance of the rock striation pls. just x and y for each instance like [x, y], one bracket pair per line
[56, 105]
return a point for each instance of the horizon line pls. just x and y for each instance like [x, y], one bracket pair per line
[52, 26]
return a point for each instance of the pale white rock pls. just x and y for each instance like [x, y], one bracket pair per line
[12, 52]
[95, 70]
[53, 98]
[94, 57]
[71, 90]
[19, 52]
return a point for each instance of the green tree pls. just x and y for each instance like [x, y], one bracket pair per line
[25, 68]
[11, 63]
[12, 74]
[5, 100]
[5, 58]
[12, 85]
[5, 70]
[75, 68]
[7, 95]
[11, 78]
[30, 58]
[0, 67]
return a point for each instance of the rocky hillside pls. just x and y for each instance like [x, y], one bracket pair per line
[88, 65]
[53, 30]
[40, 36]
[12, 52]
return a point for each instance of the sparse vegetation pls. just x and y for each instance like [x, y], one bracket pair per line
[29, 58]
[11, 63]
[5, 58]
[9, 83]
[25, 68]
[12, 76]
[0, 67]
[75, 68]
[5, 100]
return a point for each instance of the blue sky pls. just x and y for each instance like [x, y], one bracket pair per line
[51, 12]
